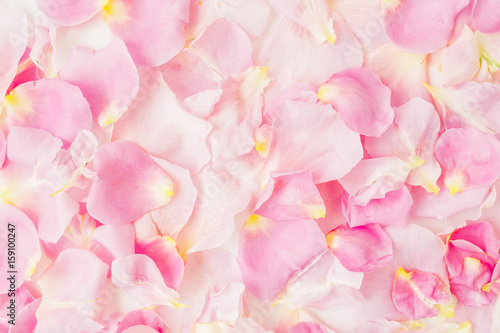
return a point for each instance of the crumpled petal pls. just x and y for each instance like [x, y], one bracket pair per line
[415, 293]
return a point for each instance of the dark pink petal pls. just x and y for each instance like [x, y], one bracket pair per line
[361, 99]
[307, 327]
[162, 250]
[361, 249]
[393, 209]
[415, 293]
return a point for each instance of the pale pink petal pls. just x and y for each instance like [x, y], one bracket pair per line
[380, 326]
[140, 278]
[361, 99]
[322, 284]
[393, 209]
[22, 248]
[209, 276]
[364, 17]
[3, 148]
[224, 46]
[291, 52]
[278, 92]
[49, 104]
[415, 293]
[70, 12]
[76, 277]
[291, 196]
[484, 14]
[171, 218]
[29, 149]
[272, 249]
[313, 15]
[469, 158]
[373, 178]
[421, 26]
[112, 241]
[163, 252]
[26, 320]
[307, 327]
[13, 40]
[461, 60]
[187, 75]
[412, 138]
[107, 78]
[51, 318]
[469, 104]
[361, 249]
[238, 114]
[330, 154]
[221, 197]
[250, 16]
[444, 205]
[152, 30]
[147, 317]
[130, 184]
[175, 136]
[401, 71]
